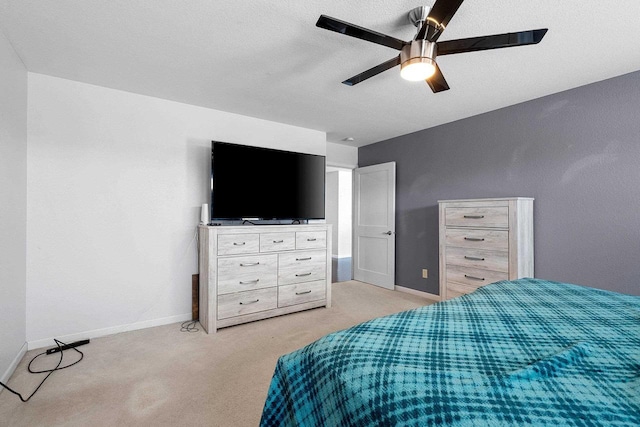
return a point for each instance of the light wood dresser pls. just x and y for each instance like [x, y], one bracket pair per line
[250, 273]
[484, 241]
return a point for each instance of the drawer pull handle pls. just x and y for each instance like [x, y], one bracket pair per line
[474, 216]
[250, 302]
[473, 239]
[473, 277]
[473, 258]
[239, 244]
[305, 292]
[278, 241]
[248, 264]
[303, 259]
[311, 240]
[248, 282]
[303, 274]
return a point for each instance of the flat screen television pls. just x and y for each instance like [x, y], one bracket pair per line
[264, 184]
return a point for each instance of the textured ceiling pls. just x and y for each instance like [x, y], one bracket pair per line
[267, 59]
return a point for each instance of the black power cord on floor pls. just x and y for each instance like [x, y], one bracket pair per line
[60, 350]
[189, 326]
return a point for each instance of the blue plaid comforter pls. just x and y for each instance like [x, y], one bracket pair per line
[512, 353]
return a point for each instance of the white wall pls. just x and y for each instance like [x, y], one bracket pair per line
[332, 210]
[342, 155]
[340, 160]
[115, 184]
[339, 209]
[345, 196]
[13, 207]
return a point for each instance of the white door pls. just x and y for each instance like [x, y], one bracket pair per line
[374, 229]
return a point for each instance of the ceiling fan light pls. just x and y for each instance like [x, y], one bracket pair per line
[417, 69]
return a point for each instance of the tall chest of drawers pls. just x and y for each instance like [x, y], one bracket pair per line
[484, 241]
[249, 273]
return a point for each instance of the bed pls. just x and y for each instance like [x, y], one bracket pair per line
[518, 352]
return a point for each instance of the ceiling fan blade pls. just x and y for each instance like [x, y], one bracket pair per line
[438, 18]
[497, 41]
[352, 30]
[372, 71]
[437, 83]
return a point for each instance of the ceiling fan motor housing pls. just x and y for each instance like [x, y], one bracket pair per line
[418, 51]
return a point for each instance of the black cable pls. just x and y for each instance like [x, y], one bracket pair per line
[189, 326]
[50, 371]
[247, 221]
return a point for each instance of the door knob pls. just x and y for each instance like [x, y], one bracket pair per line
[389, 233]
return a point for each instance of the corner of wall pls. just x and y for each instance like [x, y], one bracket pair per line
[13, 365]
[342, 155]
[13, 207]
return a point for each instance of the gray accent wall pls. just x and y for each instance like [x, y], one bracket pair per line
[576, 152]
[13, 207]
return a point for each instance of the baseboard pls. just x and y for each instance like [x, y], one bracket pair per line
[423, 294]
[96, 333]
[12, 367]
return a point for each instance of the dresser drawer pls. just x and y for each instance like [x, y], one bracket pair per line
[232, 305]
[453, 294]
[244, 273]
[301, 292]
[311, 239]
[302, 267]
[478, 258]
[477, 238]
[487, 216]
[236, 244]
[474, 276]
[455, 289]
[271, 242]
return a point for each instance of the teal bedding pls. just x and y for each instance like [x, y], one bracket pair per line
[523, 352]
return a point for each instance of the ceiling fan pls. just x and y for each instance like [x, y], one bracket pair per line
[417, 57]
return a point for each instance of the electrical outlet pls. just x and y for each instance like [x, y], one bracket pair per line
[425, 273]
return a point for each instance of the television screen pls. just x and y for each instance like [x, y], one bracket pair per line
[261, 183]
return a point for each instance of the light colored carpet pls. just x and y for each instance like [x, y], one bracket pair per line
[163, 377]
